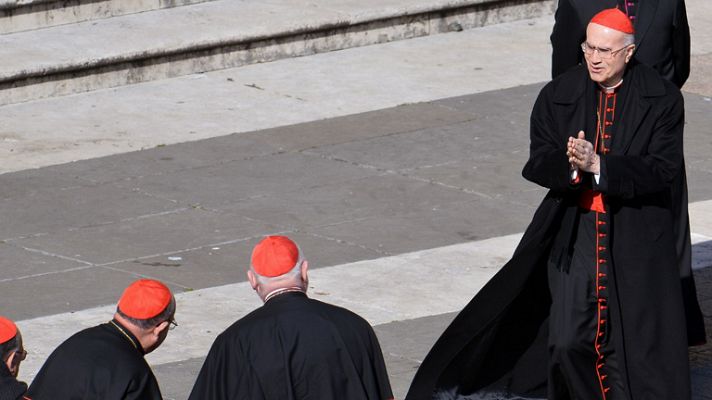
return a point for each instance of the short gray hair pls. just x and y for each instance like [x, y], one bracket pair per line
[149, 323]
[292, 273]
[628, 39]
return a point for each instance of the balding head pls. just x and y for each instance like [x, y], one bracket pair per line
[277, 264]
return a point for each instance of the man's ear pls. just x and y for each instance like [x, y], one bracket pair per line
[304, 268]
[252, 278]
[158, 329]
[629, 53]
[11, 360]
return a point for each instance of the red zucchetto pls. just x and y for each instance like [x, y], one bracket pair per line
[8, 330]
[274, 256]
[144, 299]
[615, 19]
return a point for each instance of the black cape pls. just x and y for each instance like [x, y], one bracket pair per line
[498, 342]
[98, 363]
[294, 348]
[10, 387]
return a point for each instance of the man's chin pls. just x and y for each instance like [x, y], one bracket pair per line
[596, 76]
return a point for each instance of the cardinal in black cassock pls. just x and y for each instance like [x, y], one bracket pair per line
[293, 347]
[12, 353]
[590, 306]
[662, 41]
[106, 362]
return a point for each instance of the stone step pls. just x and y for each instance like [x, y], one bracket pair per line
[23, 15]
[224, 34]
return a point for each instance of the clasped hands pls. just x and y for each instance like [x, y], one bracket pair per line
[581, 154]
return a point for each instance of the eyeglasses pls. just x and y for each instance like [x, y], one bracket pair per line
[172, 324]
[605, 54]
[21, 355]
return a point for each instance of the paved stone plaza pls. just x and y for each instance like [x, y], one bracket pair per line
[397, 173]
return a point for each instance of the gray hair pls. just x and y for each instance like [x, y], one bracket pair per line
[291, 274]
[628, 39]
[150, 323]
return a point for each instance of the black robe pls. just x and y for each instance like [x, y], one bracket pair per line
[295, 348]
[10, 387]
[99, 363]
[662, 41]
[498, 343]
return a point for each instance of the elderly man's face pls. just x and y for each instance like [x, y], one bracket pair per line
[606, 69]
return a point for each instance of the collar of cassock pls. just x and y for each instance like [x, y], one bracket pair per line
[126, 334]
[285, 293]
[611, 89]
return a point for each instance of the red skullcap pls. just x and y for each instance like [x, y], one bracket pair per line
[8, 330]
[274, 256]
[144, 299]
[615, 19]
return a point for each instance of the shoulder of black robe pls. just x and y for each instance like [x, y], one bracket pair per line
[663, 38]
[291, 348]
[226, 372]
[96, 363]
[10, 387]
[548, 165]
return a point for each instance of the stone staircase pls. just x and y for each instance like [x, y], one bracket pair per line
[24, 15]
[53, 48]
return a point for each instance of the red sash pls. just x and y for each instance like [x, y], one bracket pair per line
[592, 201]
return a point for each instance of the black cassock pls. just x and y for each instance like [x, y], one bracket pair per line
[100, 363]
[295, 348]
[10, 387]
[662, 38]
[497, 347]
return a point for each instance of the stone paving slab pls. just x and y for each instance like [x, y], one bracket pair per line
[62, 291]
[50, 208]
[349, 202]
[183, 200]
